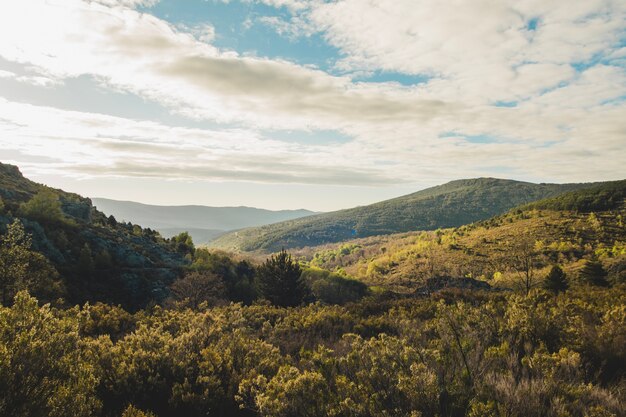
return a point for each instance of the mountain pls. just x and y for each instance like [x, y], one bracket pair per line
[448, 205]
[203, 223]
[564, 230]
[94, 257]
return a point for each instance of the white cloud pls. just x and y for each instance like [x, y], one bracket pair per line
[128, 3]
[477, 53]
[140, 53]
[86, 144]
[293, 28]
[7, 74]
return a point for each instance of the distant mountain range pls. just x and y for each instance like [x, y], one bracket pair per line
[202, 222]
[449, 205]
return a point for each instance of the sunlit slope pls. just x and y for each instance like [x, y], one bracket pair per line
[449, 205]
[564, 230]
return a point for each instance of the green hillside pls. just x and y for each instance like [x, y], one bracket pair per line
[569, 229]
[449, 205]
[83, 254]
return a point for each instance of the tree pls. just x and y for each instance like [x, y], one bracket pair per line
[23, 269]
[523, 259]
[198, 287]
[14, 255]
[556, 280]
[183, 243]
[280, 280]
[44, 206]
[593, 273]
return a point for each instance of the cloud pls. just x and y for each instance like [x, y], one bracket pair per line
[479, 51]
[87, 145]
[292, 28]
[145, 55]
[558, 65]
[7, 74]
[128, 3]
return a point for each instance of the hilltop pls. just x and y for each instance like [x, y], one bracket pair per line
[567, 230]
[449, 205]
[202, 222]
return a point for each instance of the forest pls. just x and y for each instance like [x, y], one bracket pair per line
[520, 314]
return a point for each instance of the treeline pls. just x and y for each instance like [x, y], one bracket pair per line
[605, 196]
[455, 354]
[217, 278]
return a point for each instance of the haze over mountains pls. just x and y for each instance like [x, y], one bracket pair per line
[449, 205]
[203, 223]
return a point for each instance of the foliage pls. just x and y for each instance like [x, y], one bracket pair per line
[493, 354]
[183, 243]
[81, 254]
[132, 411]
[239, 277]
[593, 273]
[196, 288]
[383, 351]
[280, 280]
[556, 280]
[332, 288]
[601, 197]
[45, 367]
[43, 207]
[23, 269]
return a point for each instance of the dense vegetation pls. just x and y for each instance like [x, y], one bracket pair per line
[453, 204]
[474, 354]
[86, 255]
[602, 197]
[520, 315]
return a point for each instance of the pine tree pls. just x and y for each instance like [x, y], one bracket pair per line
[556, 280]
[280, 280]
[593, 273]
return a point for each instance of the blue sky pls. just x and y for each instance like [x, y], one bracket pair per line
[307, 103]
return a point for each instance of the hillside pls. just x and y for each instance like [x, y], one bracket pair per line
[567, 229]
[449, 205]
[203, 223]
[92, 256]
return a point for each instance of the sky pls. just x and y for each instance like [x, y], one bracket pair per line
[286, 104]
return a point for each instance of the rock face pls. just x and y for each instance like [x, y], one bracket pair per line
[439, 283]
[98, 259]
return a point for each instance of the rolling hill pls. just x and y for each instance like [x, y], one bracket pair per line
[202, 222]
[565, 230]
[448, 205]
